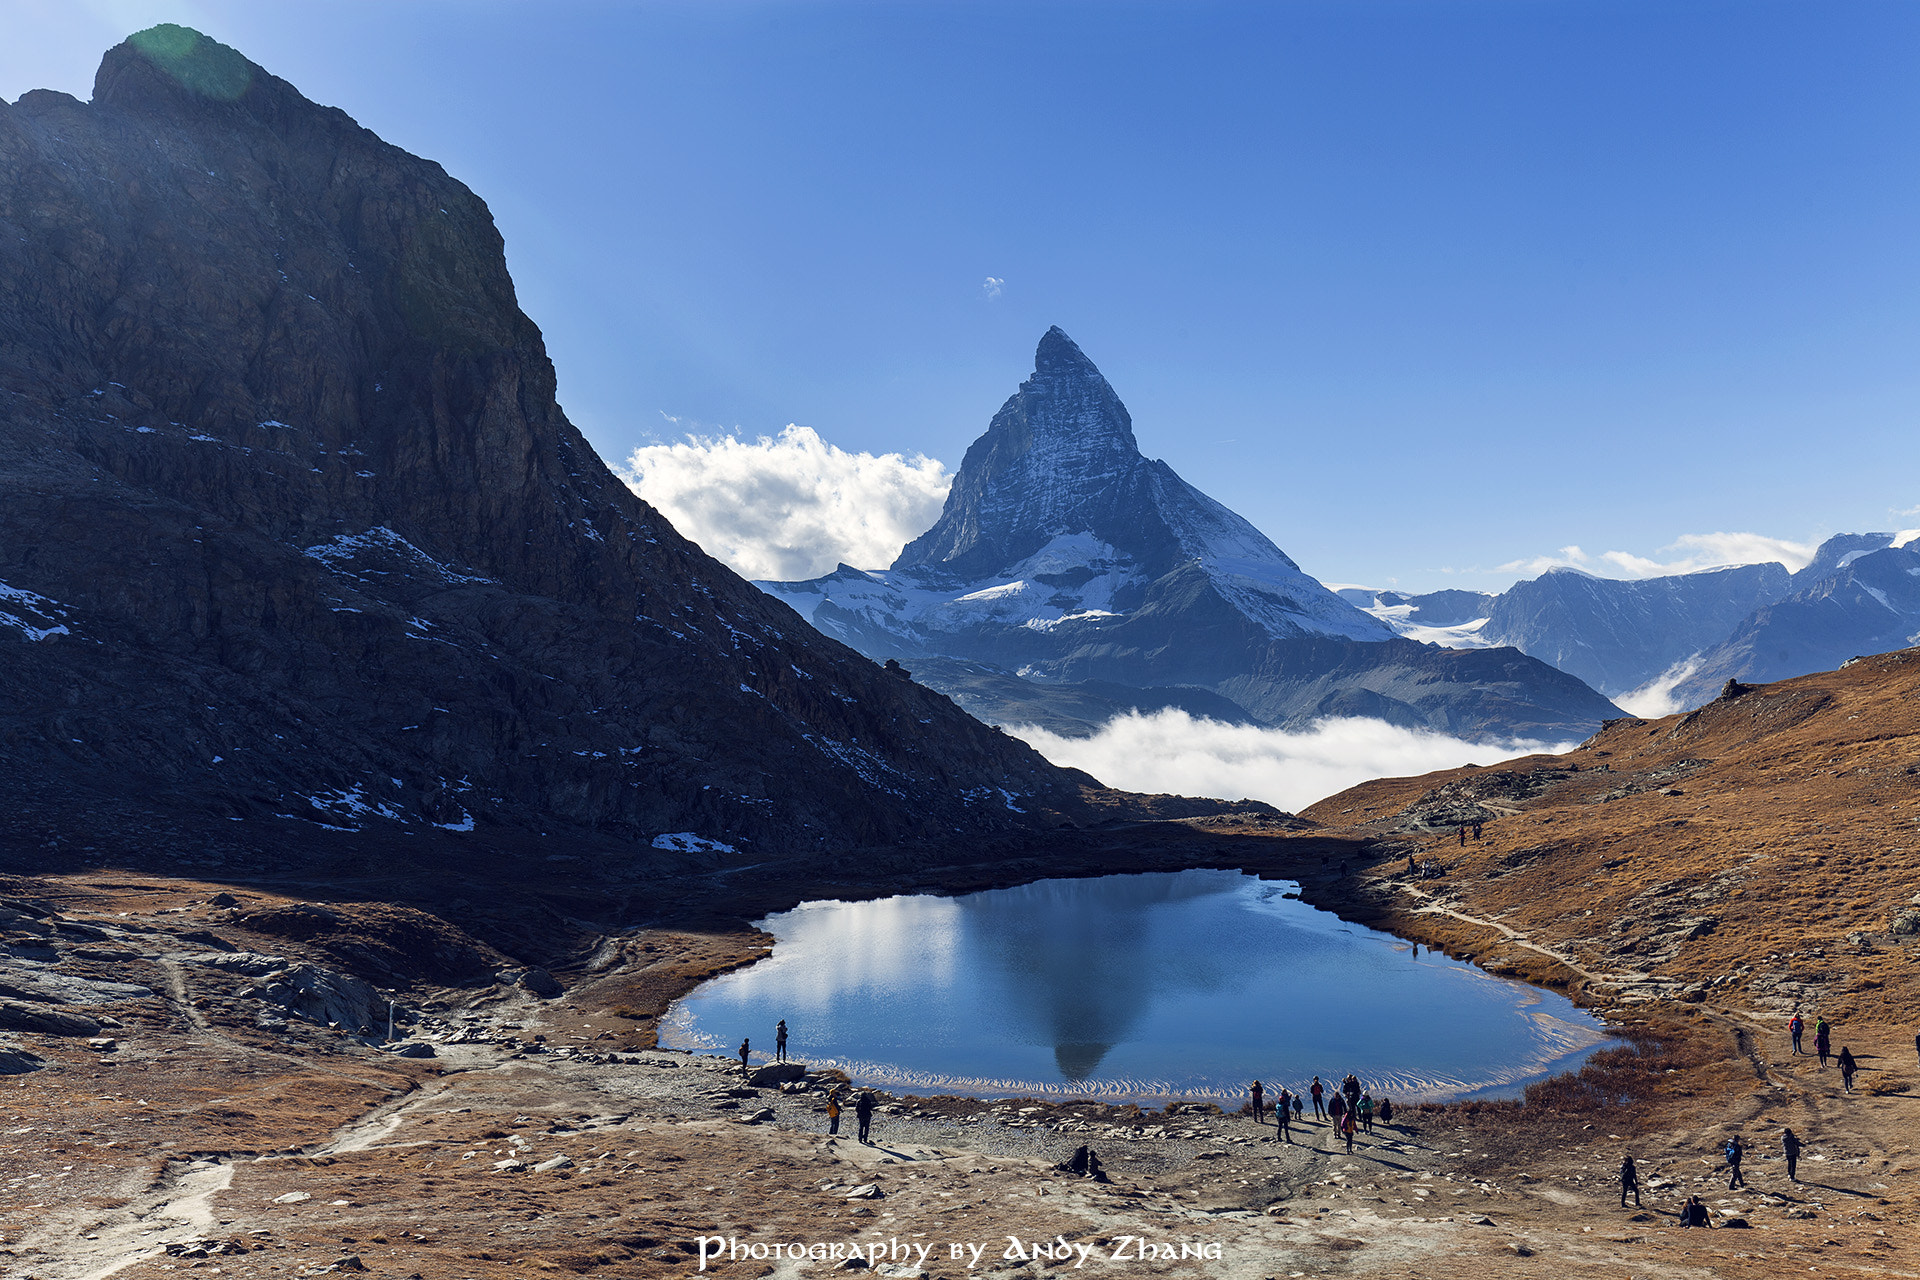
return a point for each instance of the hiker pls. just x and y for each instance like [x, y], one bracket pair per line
[863, 1111]
[1795, 1027]
[1351, 1087]
[1790, 1148]
[1629, 1181]
[1386, 1111]
[1366, 1112]
[1346, 1130]
[1299, 1109]
[1336, 1109]
[1317, 1089]
[1822, 1041]
[1847, 1067]
[1693, 1213]
[1413, 870]
[833, 1109]
[1257, 1092]
[780, 1041]
[1282, 1116]
[1463, 835]
[1476, 831]
[743, 1055]
[1734, 1153]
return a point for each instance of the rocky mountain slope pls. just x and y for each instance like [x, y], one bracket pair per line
[1751, 622]
[1617, 635]
[1868, 602]
[294, 535]
[1065, 559]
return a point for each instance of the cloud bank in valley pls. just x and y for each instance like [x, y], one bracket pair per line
[789, 506]
[1685, 554]
[1172, 752]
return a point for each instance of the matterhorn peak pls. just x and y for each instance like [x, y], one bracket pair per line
[1057, 353]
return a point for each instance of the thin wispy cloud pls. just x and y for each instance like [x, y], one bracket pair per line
[1172, 752]
[992, 286]
[792, 505]
[1685, 554]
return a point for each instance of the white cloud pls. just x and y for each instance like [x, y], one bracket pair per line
[789, 506]
[1695, 551]
[1171, 752]
[1655, 698]
[991, 286]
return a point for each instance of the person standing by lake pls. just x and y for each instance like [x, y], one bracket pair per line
[863, 1112]
[1282, 1117]
[1317, 1089]
[1366, 1112]
[780, 1041]
[1258, 1093]
[1386, 1111]
[833, 1109]
[743, 1055]
[1347, 1127]
[1790, 1148]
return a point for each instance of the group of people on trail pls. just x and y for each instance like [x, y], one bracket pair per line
[1734, 1153]
[1349, 1109]
[1823, 1047]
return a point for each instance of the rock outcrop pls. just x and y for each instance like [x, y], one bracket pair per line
[294, 535]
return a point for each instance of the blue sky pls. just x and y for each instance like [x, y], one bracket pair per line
[1422, 287]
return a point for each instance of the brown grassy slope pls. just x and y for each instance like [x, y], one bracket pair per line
[1752, 854]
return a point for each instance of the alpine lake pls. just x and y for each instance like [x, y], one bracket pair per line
[1187, 984]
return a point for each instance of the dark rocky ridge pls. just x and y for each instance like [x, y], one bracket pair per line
[291, 524]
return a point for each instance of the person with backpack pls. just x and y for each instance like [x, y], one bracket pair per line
[1794, 1027]
[780, 1041]
[1317, 1089]
[1386, 1111]
[1282, 1117]
[863, 1112]
[1257, 1092]
[833, 1109]
[1734, 1154]
[1366, 1112]
[1822, 1041]
[1347, 1127]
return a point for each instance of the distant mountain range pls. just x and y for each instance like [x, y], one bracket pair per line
[1069, 578]
[1860, 594]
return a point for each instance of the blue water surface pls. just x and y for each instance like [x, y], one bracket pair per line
[1185, 984]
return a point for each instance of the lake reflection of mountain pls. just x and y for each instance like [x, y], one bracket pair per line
[1196, 981]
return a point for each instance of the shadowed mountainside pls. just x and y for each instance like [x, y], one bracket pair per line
[292, 527]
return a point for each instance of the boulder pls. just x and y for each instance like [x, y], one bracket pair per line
[17, 1062]
[776, 1073]
[558, 1162]
[15, 1016]
[411, 1049]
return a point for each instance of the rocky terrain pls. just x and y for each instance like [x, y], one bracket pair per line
[295, 541]
[189, 1089]
[1068, 569]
